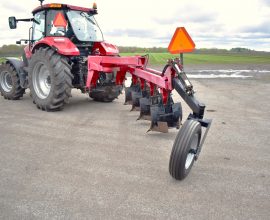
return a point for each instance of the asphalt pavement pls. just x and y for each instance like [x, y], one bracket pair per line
[95, 161]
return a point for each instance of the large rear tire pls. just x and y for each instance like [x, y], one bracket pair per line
[50, 79]
[184, 149]
[10, 82]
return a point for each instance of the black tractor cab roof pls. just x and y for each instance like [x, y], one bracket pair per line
[64, 6]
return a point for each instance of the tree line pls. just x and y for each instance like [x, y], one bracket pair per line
[11, 50]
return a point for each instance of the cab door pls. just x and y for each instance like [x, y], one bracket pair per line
[39, 26]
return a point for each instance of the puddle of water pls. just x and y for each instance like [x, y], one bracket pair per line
[233, 71]
[263, 71]
[214, 76]
[225, 73]
[221, 73]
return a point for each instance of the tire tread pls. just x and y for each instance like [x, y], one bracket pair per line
[62, 79]
[179, 150]
[17, 91]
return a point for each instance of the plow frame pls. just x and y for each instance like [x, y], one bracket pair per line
[172, 77]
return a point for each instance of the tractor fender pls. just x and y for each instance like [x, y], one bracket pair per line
[61, 45]
[105, 49]
[18, 64]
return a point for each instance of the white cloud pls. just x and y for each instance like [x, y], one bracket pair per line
[211, 23]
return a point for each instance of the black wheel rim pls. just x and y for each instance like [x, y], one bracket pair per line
[191, 154]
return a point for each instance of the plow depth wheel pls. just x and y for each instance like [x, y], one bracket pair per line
[184, 149]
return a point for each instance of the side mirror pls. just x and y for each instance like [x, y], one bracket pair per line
[12, 22]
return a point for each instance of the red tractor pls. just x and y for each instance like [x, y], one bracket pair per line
[66, 50]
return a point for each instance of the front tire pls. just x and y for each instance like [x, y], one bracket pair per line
[10, 82]
[184, 149]
[50, 79]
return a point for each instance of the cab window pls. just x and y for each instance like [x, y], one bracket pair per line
[55, 30]
[39, 26]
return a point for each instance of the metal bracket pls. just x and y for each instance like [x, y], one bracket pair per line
[206, 123]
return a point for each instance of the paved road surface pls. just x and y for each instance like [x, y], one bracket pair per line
[94, 161]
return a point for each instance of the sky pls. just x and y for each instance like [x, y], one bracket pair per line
[151, 23]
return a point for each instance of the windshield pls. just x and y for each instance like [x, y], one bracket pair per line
[84, 26]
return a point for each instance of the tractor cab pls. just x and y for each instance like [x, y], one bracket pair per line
[77, 24]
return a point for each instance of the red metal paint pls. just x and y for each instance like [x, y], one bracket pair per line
[62, 45]
[160, 81]
[105, 49]
[142, 82]
[27, 51]
[134, 79]
[153, 71]
[165, 95]
[77, 8]
[120, 76]
[89, 78]
[135, 66]
[152, 89]
[72, 7]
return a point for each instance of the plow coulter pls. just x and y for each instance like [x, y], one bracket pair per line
[66, 50]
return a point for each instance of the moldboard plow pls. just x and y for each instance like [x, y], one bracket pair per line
[66, 50]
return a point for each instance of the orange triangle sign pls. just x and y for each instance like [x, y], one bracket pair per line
[60, 20]
[181, 42]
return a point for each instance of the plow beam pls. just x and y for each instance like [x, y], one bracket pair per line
[133, 65]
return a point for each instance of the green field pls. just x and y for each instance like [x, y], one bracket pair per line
[161, 58]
